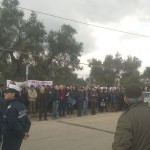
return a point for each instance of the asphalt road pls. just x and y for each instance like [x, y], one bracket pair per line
[91, 132]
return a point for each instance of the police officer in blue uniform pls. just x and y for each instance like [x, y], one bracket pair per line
[17, 121]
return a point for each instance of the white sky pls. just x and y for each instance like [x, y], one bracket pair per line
[125, 15]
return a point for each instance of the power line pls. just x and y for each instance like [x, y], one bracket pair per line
[75, 22]
[80, 22]
[85, 23]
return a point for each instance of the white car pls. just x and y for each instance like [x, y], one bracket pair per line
[146, 96]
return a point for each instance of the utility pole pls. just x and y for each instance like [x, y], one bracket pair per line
[27, 72]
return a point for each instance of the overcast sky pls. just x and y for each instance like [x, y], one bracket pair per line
[125, 15]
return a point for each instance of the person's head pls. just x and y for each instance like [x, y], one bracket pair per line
[74, 87]
[93, 89]
[24, 88]
[42, 89]
[133, 94]
[1, 85]
[12, 92]
[56, 87]
[61, 87]
[31, 87]
[85, 88]
[81, 89]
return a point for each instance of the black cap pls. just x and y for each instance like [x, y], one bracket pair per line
[133, 91]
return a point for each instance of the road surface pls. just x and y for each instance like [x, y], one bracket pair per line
[91, 132]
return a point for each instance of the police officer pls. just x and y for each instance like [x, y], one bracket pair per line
[17, 122]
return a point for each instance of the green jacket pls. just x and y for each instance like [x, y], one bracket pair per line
[133, 129]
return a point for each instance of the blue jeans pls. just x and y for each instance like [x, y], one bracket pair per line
[55, 109]
[62, 108]
[85, 107]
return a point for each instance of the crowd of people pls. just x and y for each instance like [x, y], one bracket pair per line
[61, 101]
[16, 104]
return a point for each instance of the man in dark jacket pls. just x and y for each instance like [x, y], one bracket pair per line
[56, 101]
[2, 90]
[17, 122]
[80, 96]
[62, 104]
[132, 132]
[42, 100]
[24, 96]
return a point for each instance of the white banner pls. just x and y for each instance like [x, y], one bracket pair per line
[20, 84]
[36, 83]
[30, 82]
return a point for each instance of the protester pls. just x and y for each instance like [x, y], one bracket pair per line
[80, 97]
[93, 98]
[86, 101]
[32, 95]
[43, 101]
[101, 100]
[56, 101]
[62, 104]
[107, 100]
[132, 132]
[49, 91]
[2, 90]
[114, 100]
[17, 122]
[24, 96]
[70, 95]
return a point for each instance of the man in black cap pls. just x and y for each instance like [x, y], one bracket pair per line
[17, 122]
[133, 127]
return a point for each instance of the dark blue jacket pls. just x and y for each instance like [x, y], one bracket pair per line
[17, 123]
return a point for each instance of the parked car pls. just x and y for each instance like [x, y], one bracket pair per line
[146, 96]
